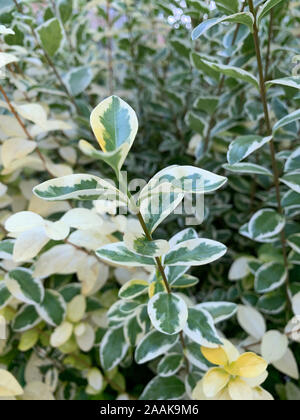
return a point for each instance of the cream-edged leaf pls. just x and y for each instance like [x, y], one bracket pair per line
[274, 346]
[118, 254]
[153, 345]
[168, 313]
[251, 321]
[195, 252]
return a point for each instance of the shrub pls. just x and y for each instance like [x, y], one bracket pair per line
[101, 268]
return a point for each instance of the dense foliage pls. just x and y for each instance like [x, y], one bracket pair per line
[208, 117]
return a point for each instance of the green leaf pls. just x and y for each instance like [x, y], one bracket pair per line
[51, 36]
[153, 345]
[244, 146]
[248, 168]
[266, 8]
[234, 72]
[292, 180]
[293, 162]
[26, 319]
[113, 348]
[292, 82]
[195, 252]
[220, 311]
[245, 18]
[133, 288]
[266, 224]
[176, 272]
[170, 365]
[7, 249]
[168, 313]
[200, 328]
[117, 253]
[53, 308]
[272, 303]
[5, 295]
[65, 9]
[207, 104]
[199, 63]
[185, 281]
[294, 242]
[137, 242]
[294, 116]
[291, 200]
[231, 6]
[24, 287]
[79, 187]
[195, 122]
[162, 389]
[270, 277]
[115, 126]
[133, 331]
[77, 80]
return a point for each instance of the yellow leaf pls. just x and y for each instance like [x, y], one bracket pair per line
[76, 308]
[9, 387]
[259, 394]
[214, 381]
[248, 365]
[239, 390]
[61, 334]
[216, 356]
[28, 340]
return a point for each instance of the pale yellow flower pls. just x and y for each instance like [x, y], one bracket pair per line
[237, 377]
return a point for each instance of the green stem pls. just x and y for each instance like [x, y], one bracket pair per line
[263, 94]
[159, 265]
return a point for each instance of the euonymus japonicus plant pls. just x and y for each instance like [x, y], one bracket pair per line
[153, 317]
[250, 117]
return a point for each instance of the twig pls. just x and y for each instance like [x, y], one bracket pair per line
[263, 94]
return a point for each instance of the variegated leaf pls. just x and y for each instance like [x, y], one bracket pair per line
[168, 313]
[195, 252]
[292, 180]
[115, 126]
[26, 319]
[53, 308]
[244, 146]
[220, 311]
[270, 277]
[153, 345]
[294, 242]
[133, 288]
[23, 286]
[266, 224]
[175, 273]
[113, 348]
[200, 328]
[79, 187]
[244, 18]
[288, 119]
[5, 295]
[248, 168]
[293, 162]
[118, 254]
[139, 244]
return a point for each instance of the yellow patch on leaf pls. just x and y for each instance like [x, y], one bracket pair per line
[248, 365]
[214, 381]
